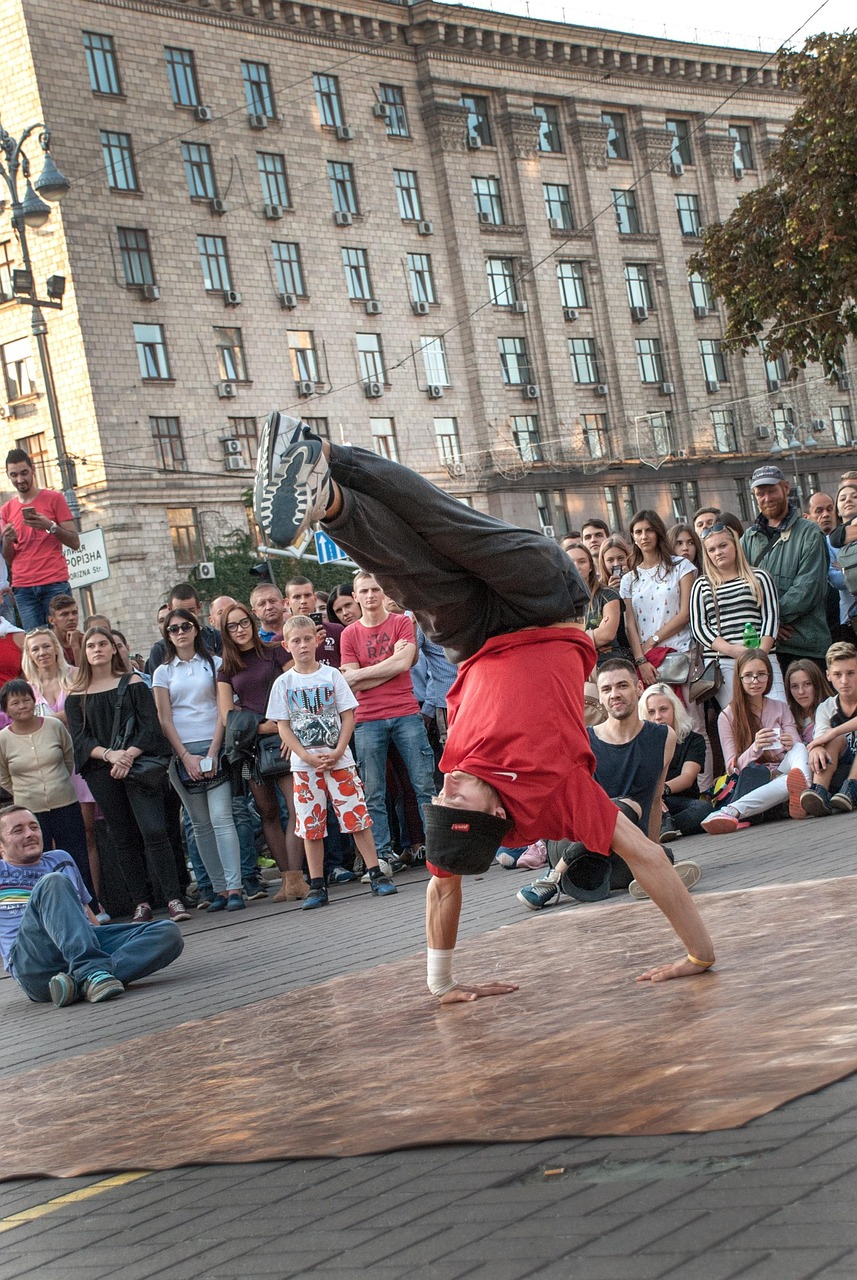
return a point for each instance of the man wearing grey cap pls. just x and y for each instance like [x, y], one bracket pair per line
[794, 552]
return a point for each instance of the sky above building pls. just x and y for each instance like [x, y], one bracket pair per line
[764, 25]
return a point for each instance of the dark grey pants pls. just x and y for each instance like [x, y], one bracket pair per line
[465, 575]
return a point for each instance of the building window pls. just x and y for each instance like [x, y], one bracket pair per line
[357, 282]
[700, 292]
[810, 483]
[486, 197]
[231, 362]
[478, 122]
[272, 175]
[407, 195]
[525, 433]
[119, 160]
[840, 421]
[687, 208]
[342, 188]
[543, 509]
[434, 362]
[515, 362]
[370, 357]
[783, 419]
[448, 443]
[215, 264]
[661, 427]
[627, 214]
[628, 499]
[743, 137]
[617, 136]
[37, 449]
[17, 363]
[501, 281]
[650, 361]
[595, 436]
[397, 119]
[680, 131]
[384, 438]
[557, 198]
[725, 435]
[549, 134]
[152, 352]
[181, 68]
[421, 278]
[101, 63]
[572, 287]
[584, 361]
[246, 430]
[776, 371]
[637, 285]
[287, 264]
[136, 255]
[328, 101]
[7, 266]
[169, 447]
[742, 498]
[257, 89]
[184, 535]
[611, 502]
[713, 360]
[685, 498]
[302, 355]
[199, 170]
[319, 427]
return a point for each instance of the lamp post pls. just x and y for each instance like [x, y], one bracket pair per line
[32, 211]
[790, 447]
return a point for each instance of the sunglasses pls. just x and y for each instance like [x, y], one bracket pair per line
[717, 527]
[179, 628]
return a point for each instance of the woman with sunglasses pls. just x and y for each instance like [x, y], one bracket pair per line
[244, 682]
[185, 691]
[756, 729]
[134, 815]
[728, 595]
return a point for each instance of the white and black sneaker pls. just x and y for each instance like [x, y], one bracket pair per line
[293, 487]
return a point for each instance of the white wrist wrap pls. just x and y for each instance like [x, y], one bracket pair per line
[439, 971]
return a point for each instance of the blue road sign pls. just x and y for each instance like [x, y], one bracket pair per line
[326, 549]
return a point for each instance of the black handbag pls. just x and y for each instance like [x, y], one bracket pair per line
[147, 771]
[270, 765]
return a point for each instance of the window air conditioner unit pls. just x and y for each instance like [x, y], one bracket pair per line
[712, 385]
[344, 134]
[569, 313]
[700, 312]
[519, 307]
[226, 390]
[232, 463]
[738, 171]
[257, 121]
[601, 389]
[342, 218]
[373, 308]
[425, 229]
[548, 530]
[150, 293]
[232, 447]
[420, 308]
[273, 212]
[639, 313]
[435, 392]
[373, 390]
[455, 468]
[762, 433]
[667, 389]
[474, 142]
[232, 298]
[205, 570]
[676, 168]
[555, 224]
[844, 382]
[485, 218]
[305, 388]
[531, 391]
[288, 301]
[381, 110]
[217, 206]
[203, 114]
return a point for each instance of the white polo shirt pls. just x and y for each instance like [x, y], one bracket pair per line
[193, 696]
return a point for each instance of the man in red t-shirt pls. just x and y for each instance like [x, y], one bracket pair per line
[36, 524]
[508, 605]
[378, 652]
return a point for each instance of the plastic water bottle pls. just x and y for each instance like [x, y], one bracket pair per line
[751, 637]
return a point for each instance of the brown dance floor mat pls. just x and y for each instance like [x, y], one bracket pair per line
[370, 1063]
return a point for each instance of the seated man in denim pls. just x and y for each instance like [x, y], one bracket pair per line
[50, 941]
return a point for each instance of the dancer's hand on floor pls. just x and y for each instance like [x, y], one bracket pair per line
[462, 995]
[663, 972]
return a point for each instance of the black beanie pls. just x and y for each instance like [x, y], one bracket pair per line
[462, 841]
[587, 878]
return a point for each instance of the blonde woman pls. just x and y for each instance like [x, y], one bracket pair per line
[727, 595]
[682, 810]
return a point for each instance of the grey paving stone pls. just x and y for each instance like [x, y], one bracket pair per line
[796, 1264]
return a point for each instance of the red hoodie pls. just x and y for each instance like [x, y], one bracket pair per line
[516, 721]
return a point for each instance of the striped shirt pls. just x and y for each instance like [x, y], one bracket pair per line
[16, 886]
[737, 605]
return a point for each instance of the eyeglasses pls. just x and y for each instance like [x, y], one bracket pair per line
[750, 677]
[179, 628]
[232, 627]
[717, 527]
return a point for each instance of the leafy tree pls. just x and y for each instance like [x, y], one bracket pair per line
[237, 554]
[785, 261]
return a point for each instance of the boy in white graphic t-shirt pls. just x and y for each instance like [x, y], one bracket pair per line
[314, 710]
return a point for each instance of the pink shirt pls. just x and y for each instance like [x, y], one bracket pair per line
[369, 645]
[39, 556]
[775, 715]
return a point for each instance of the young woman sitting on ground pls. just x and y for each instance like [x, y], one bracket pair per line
[806, 687]
[682, 809]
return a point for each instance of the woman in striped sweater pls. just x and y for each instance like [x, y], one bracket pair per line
[743, 595]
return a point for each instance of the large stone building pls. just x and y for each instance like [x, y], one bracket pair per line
[455, 235]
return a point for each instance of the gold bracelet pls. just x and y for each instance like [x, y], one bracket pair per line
[703, 964]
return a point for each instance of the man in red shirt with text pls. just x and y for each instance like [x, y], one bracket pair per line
[36, 524]
[508, 605]
[378, 652]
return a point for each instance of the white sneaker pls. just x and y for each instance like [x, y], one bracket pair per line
[689, 873]
[386, 870]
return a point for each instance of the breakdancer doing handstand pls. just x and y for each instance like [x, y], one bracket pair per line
[507, 604]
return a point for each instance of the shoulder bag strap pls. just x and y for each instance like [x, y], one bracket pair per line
[768, 549]
[120, 698]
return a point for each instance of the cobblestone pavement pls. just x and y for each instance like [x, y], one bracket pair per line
[772, 1201]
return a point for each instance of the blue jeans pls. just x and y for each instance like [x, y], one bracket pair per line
[56, 937]
[243, 819]
[213, 826]
[32, 602]
[371, 739]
